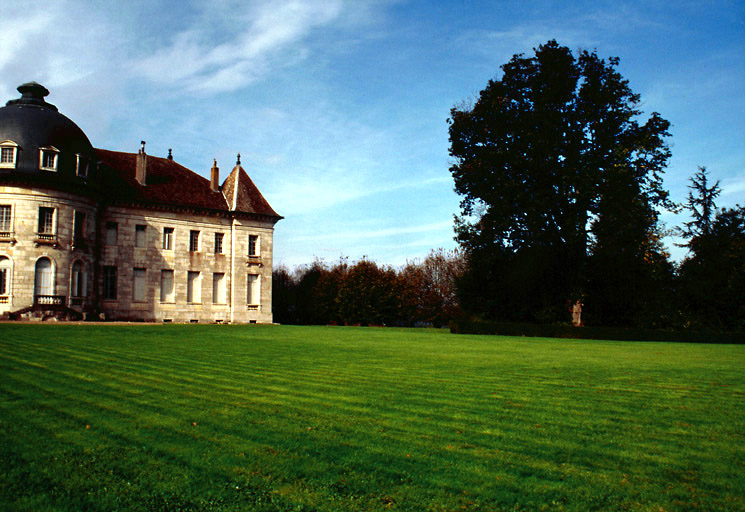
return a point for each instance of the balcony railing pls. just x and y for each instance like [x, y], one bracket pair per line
[46, 239]
[49, 300]
[4, 299]
[8, 237]
[254, 260]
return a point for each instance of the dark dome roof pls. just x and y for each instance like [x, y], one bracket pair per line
[32, 124]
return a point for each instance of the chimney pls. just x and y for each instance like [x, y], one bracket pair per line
[215, 177]
[141, 167]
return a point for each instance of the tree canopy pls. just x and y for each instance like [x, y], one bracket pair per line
[365, 293]
[712, 276]
[558, 174]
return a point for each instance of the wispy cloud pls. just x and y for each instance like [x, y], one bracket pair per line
[14, 35]
[734, 186]
[577, 27]
[74, 48]
[317, 191]
[38, 44]
[193, 61]
[375, 233]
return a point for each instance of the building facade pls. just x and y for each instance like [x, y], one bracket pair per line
[93, 233]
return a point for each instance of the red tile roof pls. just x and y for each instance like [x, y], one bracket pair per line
[168, 183]
[242, 195]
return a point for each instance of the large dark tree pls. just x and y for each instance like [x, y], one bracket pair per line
[555, 169]
[712, 276]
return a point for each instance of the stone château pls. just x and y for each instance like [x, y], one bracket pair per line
[88, 232]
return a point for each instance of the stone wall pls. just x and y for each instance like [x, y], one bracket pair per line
[24, 248]
[233, 263]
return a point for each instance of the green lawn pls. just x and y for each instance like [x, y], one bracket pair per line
[173, 417]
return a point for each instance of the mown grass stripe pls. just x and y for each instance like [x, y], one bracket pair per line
[363, 419]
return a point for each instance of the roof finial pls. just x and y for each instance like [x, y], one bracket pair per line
[170, 155]
[32, 94]
[239, 160]
[33, 90]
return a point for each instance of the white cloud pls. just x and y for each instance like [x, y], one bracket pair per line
[734, 186]
[323, 189]
[267, 30]
[69, 47]
[17, 28]
[375, 233]
[314, 191]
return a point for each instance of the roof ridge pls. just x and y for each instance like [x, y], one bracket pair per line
[171, 183]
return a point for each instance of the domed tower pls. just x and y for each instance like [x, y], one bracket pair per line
[48, 207]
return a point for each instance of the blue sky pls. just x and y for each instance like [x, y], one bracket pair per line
[339, 109]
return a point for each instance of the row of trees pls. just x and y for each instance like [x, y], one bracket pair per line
[562, 190]
[364, 293]
[561, 182]
[704, 291]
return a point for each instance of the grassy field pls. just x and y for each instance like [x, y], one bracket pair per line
[169, 417]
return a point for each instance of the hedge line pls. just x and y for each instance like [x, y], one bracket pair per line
[594, 333]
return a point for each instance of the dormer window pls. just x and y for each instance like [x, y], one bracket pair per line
[8, 154]
[82, 166]
[48, 158]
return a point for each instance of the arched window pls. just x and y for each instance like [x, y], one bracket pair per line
[78, 280]
[44, 277]
[5, 277]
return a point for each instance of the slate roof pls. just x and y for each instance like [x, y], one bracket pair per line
[170, 184]
[32, 124]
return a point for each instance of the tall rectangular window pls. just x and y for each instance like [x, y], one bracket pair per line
[109, 282]
[5, 212]
[218, 288]
[193, 240]
[112, 232]
[78, 280]
[253, 291]
[138, 284]
[4, 276]
[166, 286]
[46, 220]
[78, 226]
[253, 245]
[193, 288]
[218, 242]
[140, 235]
[168, 239]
